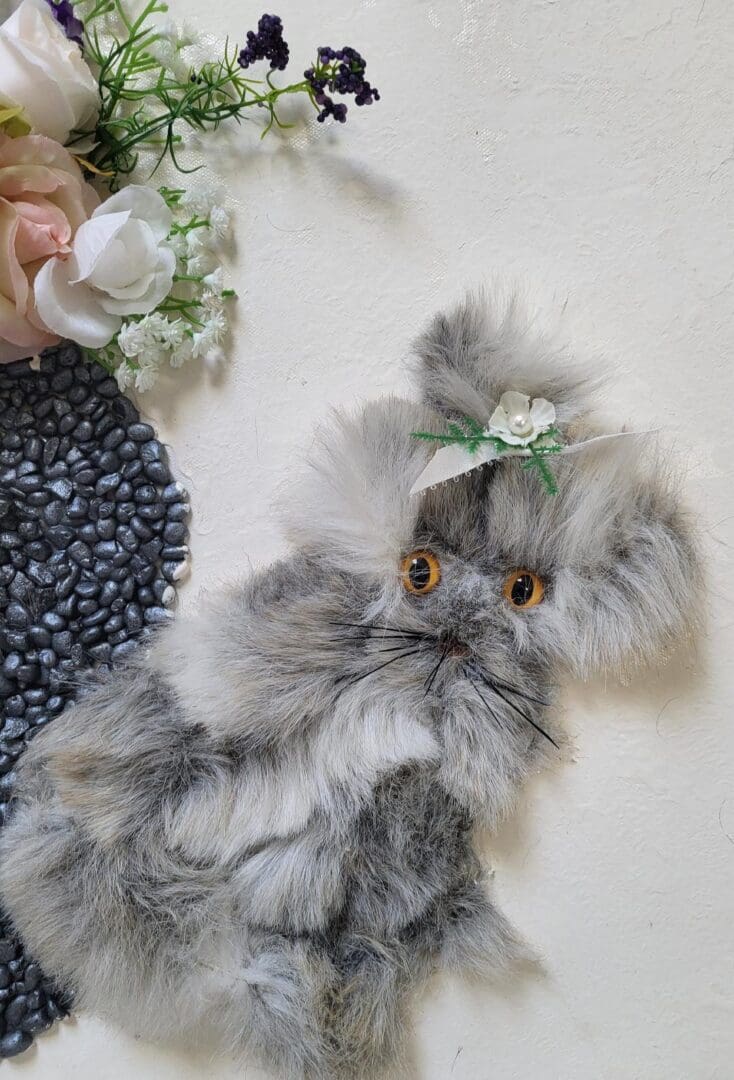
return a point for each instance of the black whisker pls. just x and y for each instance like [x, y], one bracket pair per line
[432, 676]
[490, 710]
[520, 693]
[389, 638]
[512, 689]
[365, 674]
[398, 648]
[375, 626]
[496, 690]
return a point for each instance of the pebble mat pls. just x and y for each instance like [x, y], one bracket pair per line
[93, 533]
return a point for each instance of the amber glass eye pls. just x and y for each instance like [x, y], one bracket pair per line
[421, 572]
[523, 589]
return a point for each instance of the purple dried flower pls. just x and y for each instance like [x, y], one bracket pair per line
[63, 12]
[341, 71]
[266, 44]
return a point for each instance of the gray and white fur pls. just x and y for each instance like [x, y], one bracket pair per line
[256, 830]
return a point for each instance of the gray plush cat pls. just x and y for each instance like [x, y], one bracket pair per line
[263, 827]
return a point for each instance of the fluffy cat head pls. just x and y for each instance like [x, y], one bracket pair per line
[611, 552]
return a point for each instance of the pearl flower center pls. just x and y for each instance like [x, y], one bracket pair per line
[520, 424]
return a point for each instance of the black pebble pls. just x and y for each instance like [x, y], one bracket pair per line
[92, 529]
[15, 1042]
[140, 432]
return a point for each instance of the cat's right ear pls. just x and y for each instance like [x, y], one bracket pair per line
[469, 356]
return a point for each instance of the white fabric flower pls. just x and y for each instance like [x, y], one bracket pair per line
[518, 422]
[120, 264]
[44, 73]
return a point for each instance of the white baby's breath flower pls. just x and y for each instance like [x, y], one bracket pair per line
[212, 301]
[187, 33]
[168, 30]
[215, 280]
[156, 331]
[146, 378]
[216, 326]
[163, 51]
[202, 263]
[182, 353]
[175, 333]
[201, 199]
[199, 240]
[211, 334]
[166, 52]
[132, 339]
[147, 374]
[219, 222]
[124, 376]
[178, 245]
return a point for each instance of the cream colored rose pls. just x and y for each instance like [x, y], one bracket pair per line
[43, 73]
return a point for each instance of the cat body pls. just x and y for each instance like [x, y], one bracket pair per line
[264, 826]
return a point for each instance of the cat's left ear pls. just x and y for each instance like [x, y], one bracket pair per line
[351, 505]
[469, 356]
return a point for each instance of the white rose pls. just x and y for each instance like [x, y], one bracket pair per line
[120, 264]
[43, 73]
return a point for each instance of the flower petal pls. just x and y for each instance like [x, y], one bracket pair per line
[72, 310]
[37, 150]
[499, 422]
[46, 72]
[13, 282]
[92, 240]
[141, 202]
[154, 295]
[25, 82]
[126, 269]
[43, 229]
[542, 414]
[18, 336]
[9, 353]
[19, 179]
[512, 401]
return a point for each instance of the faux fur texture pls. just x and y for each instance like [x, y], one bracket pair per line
[264, 826]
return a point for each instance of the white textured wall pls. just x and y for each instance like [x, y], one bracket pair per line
[585, 147]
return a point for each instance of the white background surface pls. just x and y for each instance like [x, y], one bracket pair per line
[586, 148]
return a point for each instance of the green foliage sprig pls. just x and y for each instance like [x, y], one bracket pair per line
[150, 93]
[470, 434]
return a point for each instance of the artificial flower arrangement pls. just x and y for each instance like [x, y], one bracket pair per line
[128, 271]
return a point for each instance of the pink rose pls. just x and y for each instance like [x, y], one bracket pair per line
[43, 201]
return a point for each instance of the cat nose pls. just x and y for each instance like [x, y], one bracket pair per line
[454, 647]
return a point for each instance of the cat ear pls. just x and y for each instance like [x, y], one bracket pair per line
[616, 548]
[352, 504]
[468, 357]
